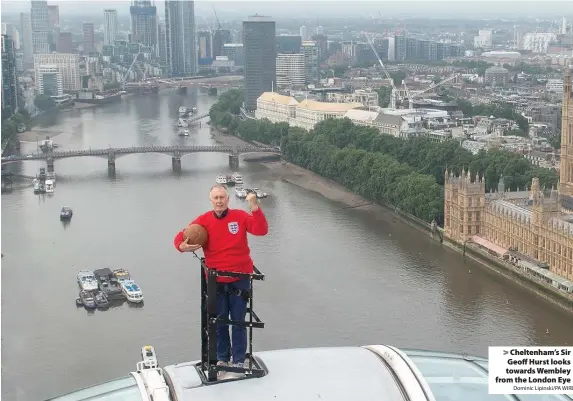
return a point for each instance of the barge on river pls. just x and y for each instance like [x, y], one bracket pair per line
[108, 284]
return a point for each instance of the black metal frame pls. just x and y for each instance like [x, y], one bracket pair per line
[208, 367]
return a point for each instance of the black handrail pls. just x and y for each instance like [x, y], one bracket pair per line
[209, 321]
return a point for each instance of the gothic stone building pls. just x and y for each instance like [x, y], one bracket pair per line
[530, 228]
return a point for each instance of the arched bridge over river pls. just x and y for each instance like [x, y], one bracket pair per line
[174, 151]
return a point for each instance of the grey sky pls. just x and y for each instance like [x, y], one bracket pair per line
[509, 9]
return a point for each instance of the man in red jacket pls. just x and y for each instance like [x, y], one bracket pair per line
[227, 249]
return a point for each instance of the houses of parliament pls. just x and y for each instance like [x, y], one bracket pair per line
[531, 229]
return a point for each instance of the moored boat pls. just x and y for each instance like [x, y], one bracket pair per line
[240, 192]
[108, 284]
[101, 300]
[121, 275]
[46, 145]
[260, 194]
[221, 179]
[132, 291]
[87, 281]
[66, 213]
[237, 178]
[37, 186]
[230, 181]
[183, 111]
[49, 186]
[86, 299]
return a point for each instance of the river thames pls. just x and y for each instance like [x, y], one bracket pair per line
[335, 276]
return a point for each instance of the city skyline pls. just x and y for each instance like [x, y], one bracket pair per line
[365, 9]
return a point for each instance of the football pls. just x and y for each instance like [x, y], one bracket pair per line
[196, 234]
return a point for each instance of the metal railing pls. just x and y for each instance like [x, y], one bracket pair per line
[208, 367]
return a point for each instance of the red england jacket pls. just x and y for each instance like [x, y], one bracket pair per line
[227, 248]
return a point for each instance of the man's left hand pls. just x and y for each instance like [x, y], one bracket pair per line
[252, 199]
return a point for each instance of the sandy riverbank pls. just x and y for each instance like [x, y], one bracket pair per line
[33, 136]
[227, 140]
[38, 134]
[306, 179]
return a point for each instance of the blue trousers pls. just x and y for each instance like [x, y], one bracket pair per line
[228, 303]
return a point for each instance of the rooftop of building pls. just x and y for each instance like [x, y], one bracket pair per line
[328, 107]
[290, 55]
[504, 54]
[372, 116]
[496, 70]
[308, 104]
[435, 102]
[259, 18]
[519, 204]
[327, 90]
[278, 98]
[361, 114]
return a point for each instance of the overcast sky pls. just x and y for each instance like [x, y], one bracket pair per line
[508, 9]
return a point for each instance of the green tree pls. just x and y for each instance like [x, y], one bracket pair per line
[9, 131]
[497, 111]
[516, 132]
[384, 94]
[555, 141]
[407, 174]
[397, 77]
[472, 64]
[340, 71]
[7, 113]
[228, 104]
[528, 68]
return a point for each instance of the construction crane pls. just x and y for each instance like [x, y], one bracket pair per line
[395, 97]
[410, 103]
[394, 90]
[217, 18]
[411, 97]
[124, 78]
[434, 86]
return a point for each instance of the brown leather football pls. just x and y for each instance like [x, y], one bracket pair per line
[196, 234]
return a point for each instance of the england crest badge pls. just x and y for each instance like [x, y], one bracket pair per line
[233, 227]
